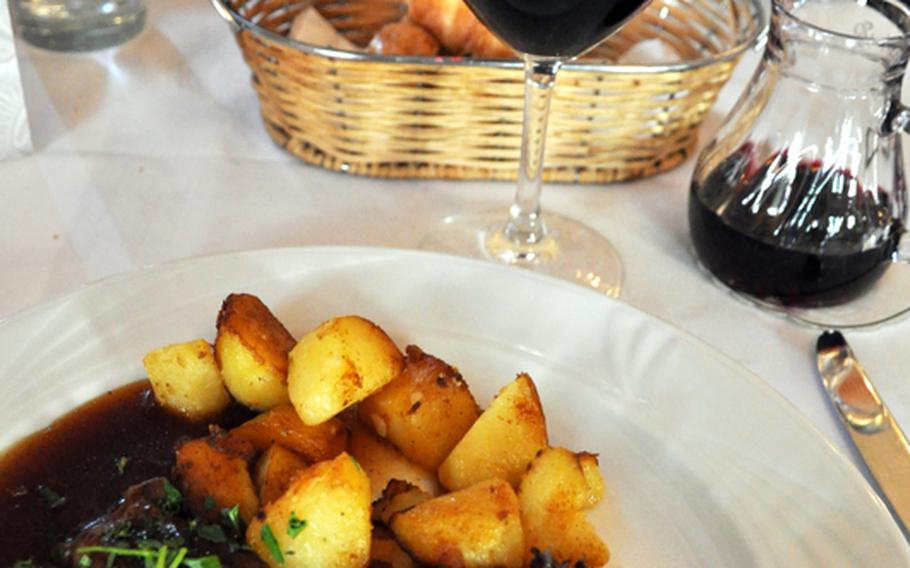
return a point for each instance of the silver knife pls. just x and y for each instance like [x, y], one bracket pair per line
[873, 430]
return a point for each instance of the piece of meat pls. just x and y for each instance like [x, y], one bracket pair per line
[147, 512]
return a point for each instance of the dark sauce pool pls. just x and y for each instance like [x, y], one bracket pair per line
[89, 457]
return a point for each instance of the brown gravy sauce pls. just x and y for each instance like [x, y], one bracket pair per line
[90, 456]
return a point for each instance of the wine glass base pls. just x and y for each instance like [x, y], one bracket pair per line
[571, 250]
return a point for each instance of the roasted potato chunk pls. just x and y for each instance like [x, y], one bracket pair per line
[282, 426]
[555, 491]
[323, 519]
[424, 412]
[275, 469]
[338, 364]
[385, 552]
[383, 462]
[252, 351]
[186, 379]
[477, 526]
[397, 496]
[214, 471]
[502, 442]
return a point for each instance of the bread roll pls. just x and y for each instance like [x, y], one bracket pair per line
[403, 38]
[457, 29]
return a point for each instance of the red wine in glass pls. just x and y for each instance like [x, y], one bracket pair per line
[825, 247]
[553, 28]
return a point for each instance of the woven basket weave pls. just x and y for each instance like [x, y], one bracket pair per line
[457, 118]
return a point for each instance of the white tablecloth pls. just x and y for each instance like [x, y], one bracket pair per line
[155, 151]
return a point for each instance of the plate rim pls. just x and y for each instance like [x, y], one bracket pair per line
[747, 376]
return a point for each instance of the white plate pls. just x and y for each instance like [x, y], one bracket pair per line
[706, 465]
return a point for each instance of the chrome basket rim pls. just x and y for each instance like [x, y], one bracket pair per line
[752, 40]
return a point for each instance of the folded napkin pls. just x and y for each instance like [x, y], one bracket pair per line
[15, 138]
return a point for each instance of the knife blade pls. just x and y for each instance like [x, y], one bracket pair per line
[877, 437]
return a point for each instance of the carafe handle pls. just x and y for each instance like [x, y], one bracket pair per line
[898, 120]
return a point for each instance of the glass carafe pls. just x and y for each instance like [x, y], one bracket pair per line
[799, 202]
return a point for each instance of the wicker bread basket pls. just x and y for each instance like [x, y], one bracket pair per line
[460, 118]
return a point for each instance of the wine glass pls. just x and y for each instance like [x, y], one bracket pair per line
[547, 33]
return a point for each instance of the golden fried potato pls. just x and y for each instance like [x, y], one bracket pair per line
[424, 412]
[502, 442]
[383, 462]
[397, 496]
[186, 379]
[323, 519]
[275, 470]
[252, 351]
[555, 491]
[385, 552]
[213, 475]
[281, 425]
[340, 363]
[477, 526]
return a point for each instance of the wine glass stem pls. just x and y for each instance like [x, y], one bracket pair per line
[525, 226]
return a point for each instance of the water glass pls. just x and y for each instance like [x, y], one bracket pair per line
[77, 25]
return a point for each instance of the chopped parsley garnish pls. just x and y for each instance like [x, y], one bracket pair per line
[173, 499]
[212, 533]
[178, 559]
[117, 532]
[209, 503]
[156, 544]
[24, 564]
[156, 558]
[120, 464]
[233, 516]
[268, 538]
[295, 525]
[51, 497]
[118, 551]
[204, 562]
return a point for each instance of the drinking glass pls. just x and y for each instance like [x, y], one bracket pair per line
[77, 25]
[547, 33]
[800, 201]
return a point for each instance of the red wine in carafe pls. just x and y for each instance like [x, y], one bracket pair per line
[797, 233]
[557, 28]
